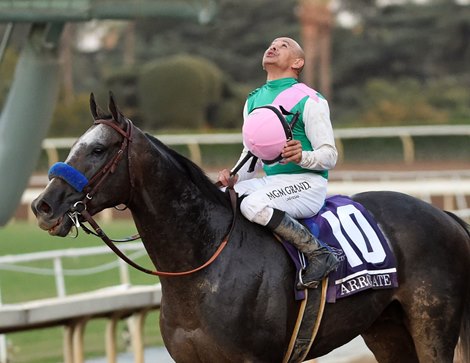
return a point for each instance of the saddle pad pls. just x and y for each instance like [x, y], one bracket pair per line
[366, 260]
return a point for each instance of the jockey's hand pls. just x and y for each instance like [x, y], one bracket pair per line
[292, 152]
[224, 177]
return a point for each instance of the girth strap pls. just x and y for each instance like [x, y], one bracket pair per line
[307, 325]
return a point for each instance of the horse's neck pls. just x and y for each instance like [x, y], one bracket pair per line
[178, 224]
[180, 234]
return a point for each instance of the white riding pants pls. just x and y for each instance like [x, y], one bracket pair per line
[299, 195]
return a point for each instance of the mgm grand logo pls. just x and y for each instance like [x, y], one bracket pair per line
[288, 190]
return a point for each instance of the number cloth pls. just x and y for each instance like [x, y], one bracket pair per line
[366, 260]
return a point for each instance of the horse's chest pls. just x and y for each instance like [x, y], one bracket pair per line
[183, 343]
[195, 346]
[192, 329]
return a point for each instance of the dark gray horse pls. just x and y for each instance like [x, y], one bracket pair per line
[241, 307]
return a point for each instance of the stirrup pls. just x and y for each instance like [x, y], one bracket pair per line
[301, 285]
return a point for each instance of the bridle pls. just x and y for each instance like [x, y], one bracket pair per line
[91, 189]
[109, 168]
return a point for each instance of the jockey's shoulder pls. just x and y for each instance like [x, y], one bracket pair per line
[255, 91]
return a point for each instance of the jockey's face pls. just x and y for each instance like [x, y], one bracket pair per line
[284, 54]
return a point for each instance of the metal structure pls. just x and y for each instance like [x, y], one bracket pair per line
[84, 10]
[27, 113]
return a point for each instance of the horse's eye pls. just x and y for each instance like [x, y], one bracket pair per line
[98, 151]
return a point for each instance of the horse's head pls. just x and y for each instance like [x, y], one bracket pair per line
[94, 175]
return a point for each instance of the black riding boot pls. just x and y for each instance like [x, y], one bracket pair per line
[321, 261]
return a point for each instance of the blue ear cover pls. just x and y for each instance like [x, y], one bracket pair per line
[71, 175]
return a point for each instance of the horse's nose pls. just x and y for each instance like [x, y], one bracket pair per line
[41, 207]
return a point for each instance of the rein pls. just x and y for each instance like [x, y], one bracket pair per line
[79, 208]
[100, 233]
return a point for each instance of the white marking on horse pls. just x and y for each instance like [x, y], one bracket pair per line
[97, 133]
[210, 286]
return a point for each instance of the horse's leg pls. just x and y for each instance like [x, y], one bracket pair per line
[434, 325]
[389, 339]
[421, 328]
[433, 305]
[431, 309]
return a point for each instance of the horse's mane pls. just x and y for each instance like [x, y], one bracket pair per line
[193, 172]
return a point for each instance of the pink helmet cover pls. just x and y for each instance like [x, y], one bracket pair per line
[264, 133]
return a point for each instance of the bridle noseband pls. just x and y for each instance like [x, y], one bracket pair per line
[79, 208]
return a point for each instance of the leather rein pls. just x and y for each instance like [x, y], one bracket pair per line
[80, 207]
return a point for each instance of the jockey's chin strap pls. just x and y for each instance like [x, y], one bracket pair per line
[79, 208]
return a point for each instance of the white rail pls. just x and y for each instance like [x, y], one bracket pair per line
[193, 141]
[454, 191]
[10, 262]
[74, 311]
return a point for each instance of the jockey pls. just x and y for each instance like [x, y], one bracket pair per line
[295, 184]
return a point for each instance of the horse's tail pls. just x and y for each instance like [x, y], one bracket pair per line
[463, 347]
[460, 221]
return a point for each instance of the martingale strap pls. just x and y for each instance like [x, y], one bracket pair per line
[69, 174]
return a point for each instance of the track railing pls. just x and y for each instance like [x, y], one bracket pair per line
[193, 141]
[73, 312]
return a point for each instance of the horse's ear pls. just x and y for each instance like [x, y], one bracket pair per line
[96, 111]
[115, 112]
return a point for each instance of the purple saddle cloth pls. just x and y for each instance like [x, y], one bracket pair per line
[366, 259]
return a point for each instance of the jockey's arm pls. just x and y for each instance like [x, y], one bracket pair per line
[319, 131]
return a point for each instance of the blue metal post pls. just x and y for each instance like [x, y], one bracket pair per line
[27, 114]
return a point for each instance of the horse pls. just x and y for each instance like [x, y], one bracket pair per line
[240, 306]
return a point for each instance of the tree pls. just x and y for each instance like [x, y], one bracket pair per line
[426, 43]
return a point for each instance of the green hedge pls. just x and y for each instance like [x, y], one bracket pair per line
[178, 92]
